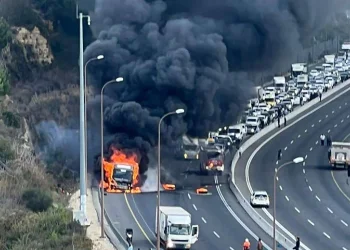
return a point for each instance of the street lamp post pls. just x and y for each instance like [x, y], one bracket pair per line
[99, 57]
[119, 79]
[294, 161]
[178, 111]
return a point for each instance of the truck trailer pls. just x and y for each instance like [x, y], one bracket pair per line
[176, 229]
[339, 154]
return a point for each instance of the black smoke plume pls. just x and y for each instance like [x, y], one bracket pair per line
[187, 54]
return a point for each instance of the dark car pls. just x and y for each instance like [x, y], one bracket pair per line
[213, 162]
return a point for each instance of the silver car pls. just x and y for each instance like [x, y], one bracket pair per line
[190, 151]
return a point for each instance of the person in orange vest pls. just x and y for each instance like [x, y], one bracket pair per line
[246, 245]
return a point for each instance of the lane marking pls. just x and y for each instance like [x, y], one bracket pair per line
[344, 248]
[326, 116]
[316, 142]
[339, 107]
[310, 188]
[194, 206]
[305, 130]
[298, 136]
[332, 111]
[311, 222]
[305, 158]
[281, 188]
[329, 210]
[304, 163]
[285, 148]
[296, 209]
[347, 116]
[137, 222]
[231, 248]
[189, 196]
[326, 235]
[276, 162]
[342, 121]
[276, 178]
[312, 125]
[216, 234]
[204, 220]
[318, 198]
[345, 224]
[336, 125]
[291, 142]
[329, 130]
[319, 120]
[304, 170]
[142, 218]
[287, 198]
[311, 149]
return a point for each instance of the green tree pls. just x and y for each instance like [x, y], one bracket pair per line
[4, 79]
[5, 33]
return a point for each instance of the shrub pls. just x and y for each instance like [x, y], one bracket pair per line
[6, 152]
[37, 200]
[11, 119]
[4, 80]
[5, 33]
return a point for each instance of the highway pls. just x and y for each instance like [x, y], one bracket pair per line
[217, 225]
[310, 203]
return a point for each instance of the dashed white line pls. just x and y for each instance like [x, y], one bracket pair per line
[291, 142]
[276, 162]
[348, 116]
[344, 223]
[204, 220]
[194, 206]
[318, 198]
[287, 198]
[339, 107]
[329, 130]
[326, 116]
[304, 170]
[281, 188]
[330, 210]
[305, 158]
[344, 248]
[319, 120]
[304, 163]
[276, 178]
[216, 234]
[336, 125]
[311, 149]
[305, 130]
[189, 196]
[285, 148]
[316, 142]
[310, 188]
[311, 222]
[346, 103]
[332, 111]
[298, 136]
[342, 121]
[231, 248]
[296, 209]
[326, 235]
[313, 125]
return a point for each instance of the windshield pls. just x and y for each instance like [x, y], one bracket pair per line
[251, 120]
[121, 174]
[213, 154]
[190, 147]
[269, 99]
[179, 229]
[234, 130]
[260, 196]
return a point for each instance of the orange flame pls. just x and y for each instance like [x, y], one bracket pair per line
[119, 157]
[169, 186]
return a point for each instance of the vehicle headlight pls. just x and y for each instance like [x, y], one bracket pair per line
[197, 156]
[170, 243]
[229, 143]
[188, 245]
[185, 155]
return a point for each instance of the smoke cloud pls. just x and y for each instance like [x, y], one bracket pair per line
[190, 54]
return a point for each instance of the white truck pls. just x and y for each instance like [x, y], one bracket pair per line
[176, 229]
[339, 154]
[298, 69]
[302, 81]
[330, 59]
[280, 84]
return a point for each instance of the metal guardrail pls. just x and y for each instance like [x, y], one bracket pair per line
[285, 241]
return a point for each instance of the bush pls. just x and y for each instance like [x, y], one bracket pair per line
[4, 80]
[37, 200]
[11, 119]
[5, 33]
[6, 152]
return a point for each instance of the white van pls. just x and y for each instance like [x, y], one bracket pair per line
[253, 121]
[280, 83]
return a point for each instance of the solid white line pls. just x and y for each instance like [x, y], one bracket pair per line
[345, 224]
[311, 149]
[298, 136]
[287, 198]
[216, 234]
[305, 130]
[291, 142]
[313, 125]
[194, 206]
[329, 210]
[189, 196]
[311, 222]
[336, 125]
[281, 188]
[316, 142]
[204, 220]
[318, 198]
[310, 188]
[329, 130]
[296, 209]
[304, 170]
[285, 148]
[319, 120]
[326, 235]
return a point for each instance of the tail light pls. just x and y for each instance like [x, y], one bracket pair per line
[220, 163]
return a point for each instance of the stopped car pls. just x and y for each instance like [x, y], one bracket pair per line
[260, 199]
[213, 162]
[251, 129]
[190, 151]
[236, 132]
[224, 140]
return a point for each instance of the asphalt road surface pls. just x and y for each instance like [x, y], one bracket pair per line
[309, 203]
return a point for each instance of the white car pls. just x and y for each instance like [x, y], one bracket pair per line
[260, 198]
[313, 73]
[263, 106]
[252, 120]
[235, 132]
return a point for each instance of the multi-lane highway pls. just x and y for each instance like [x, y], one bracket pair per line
[215, 213]
[312, 200]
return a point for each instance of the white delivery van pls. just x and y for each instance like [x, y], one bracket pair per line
[280, 83]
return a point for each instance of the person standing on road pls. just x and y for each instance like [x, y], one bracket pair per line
[320, 95]
[246, 245]
[279, 154]
[322, 138]
[260, 245]
[329, 141]
[297, 244]
[285, 121]
[279, 122]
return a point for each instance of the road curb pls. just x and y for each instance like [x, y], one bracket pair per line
[283, 238]
[112, 233]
